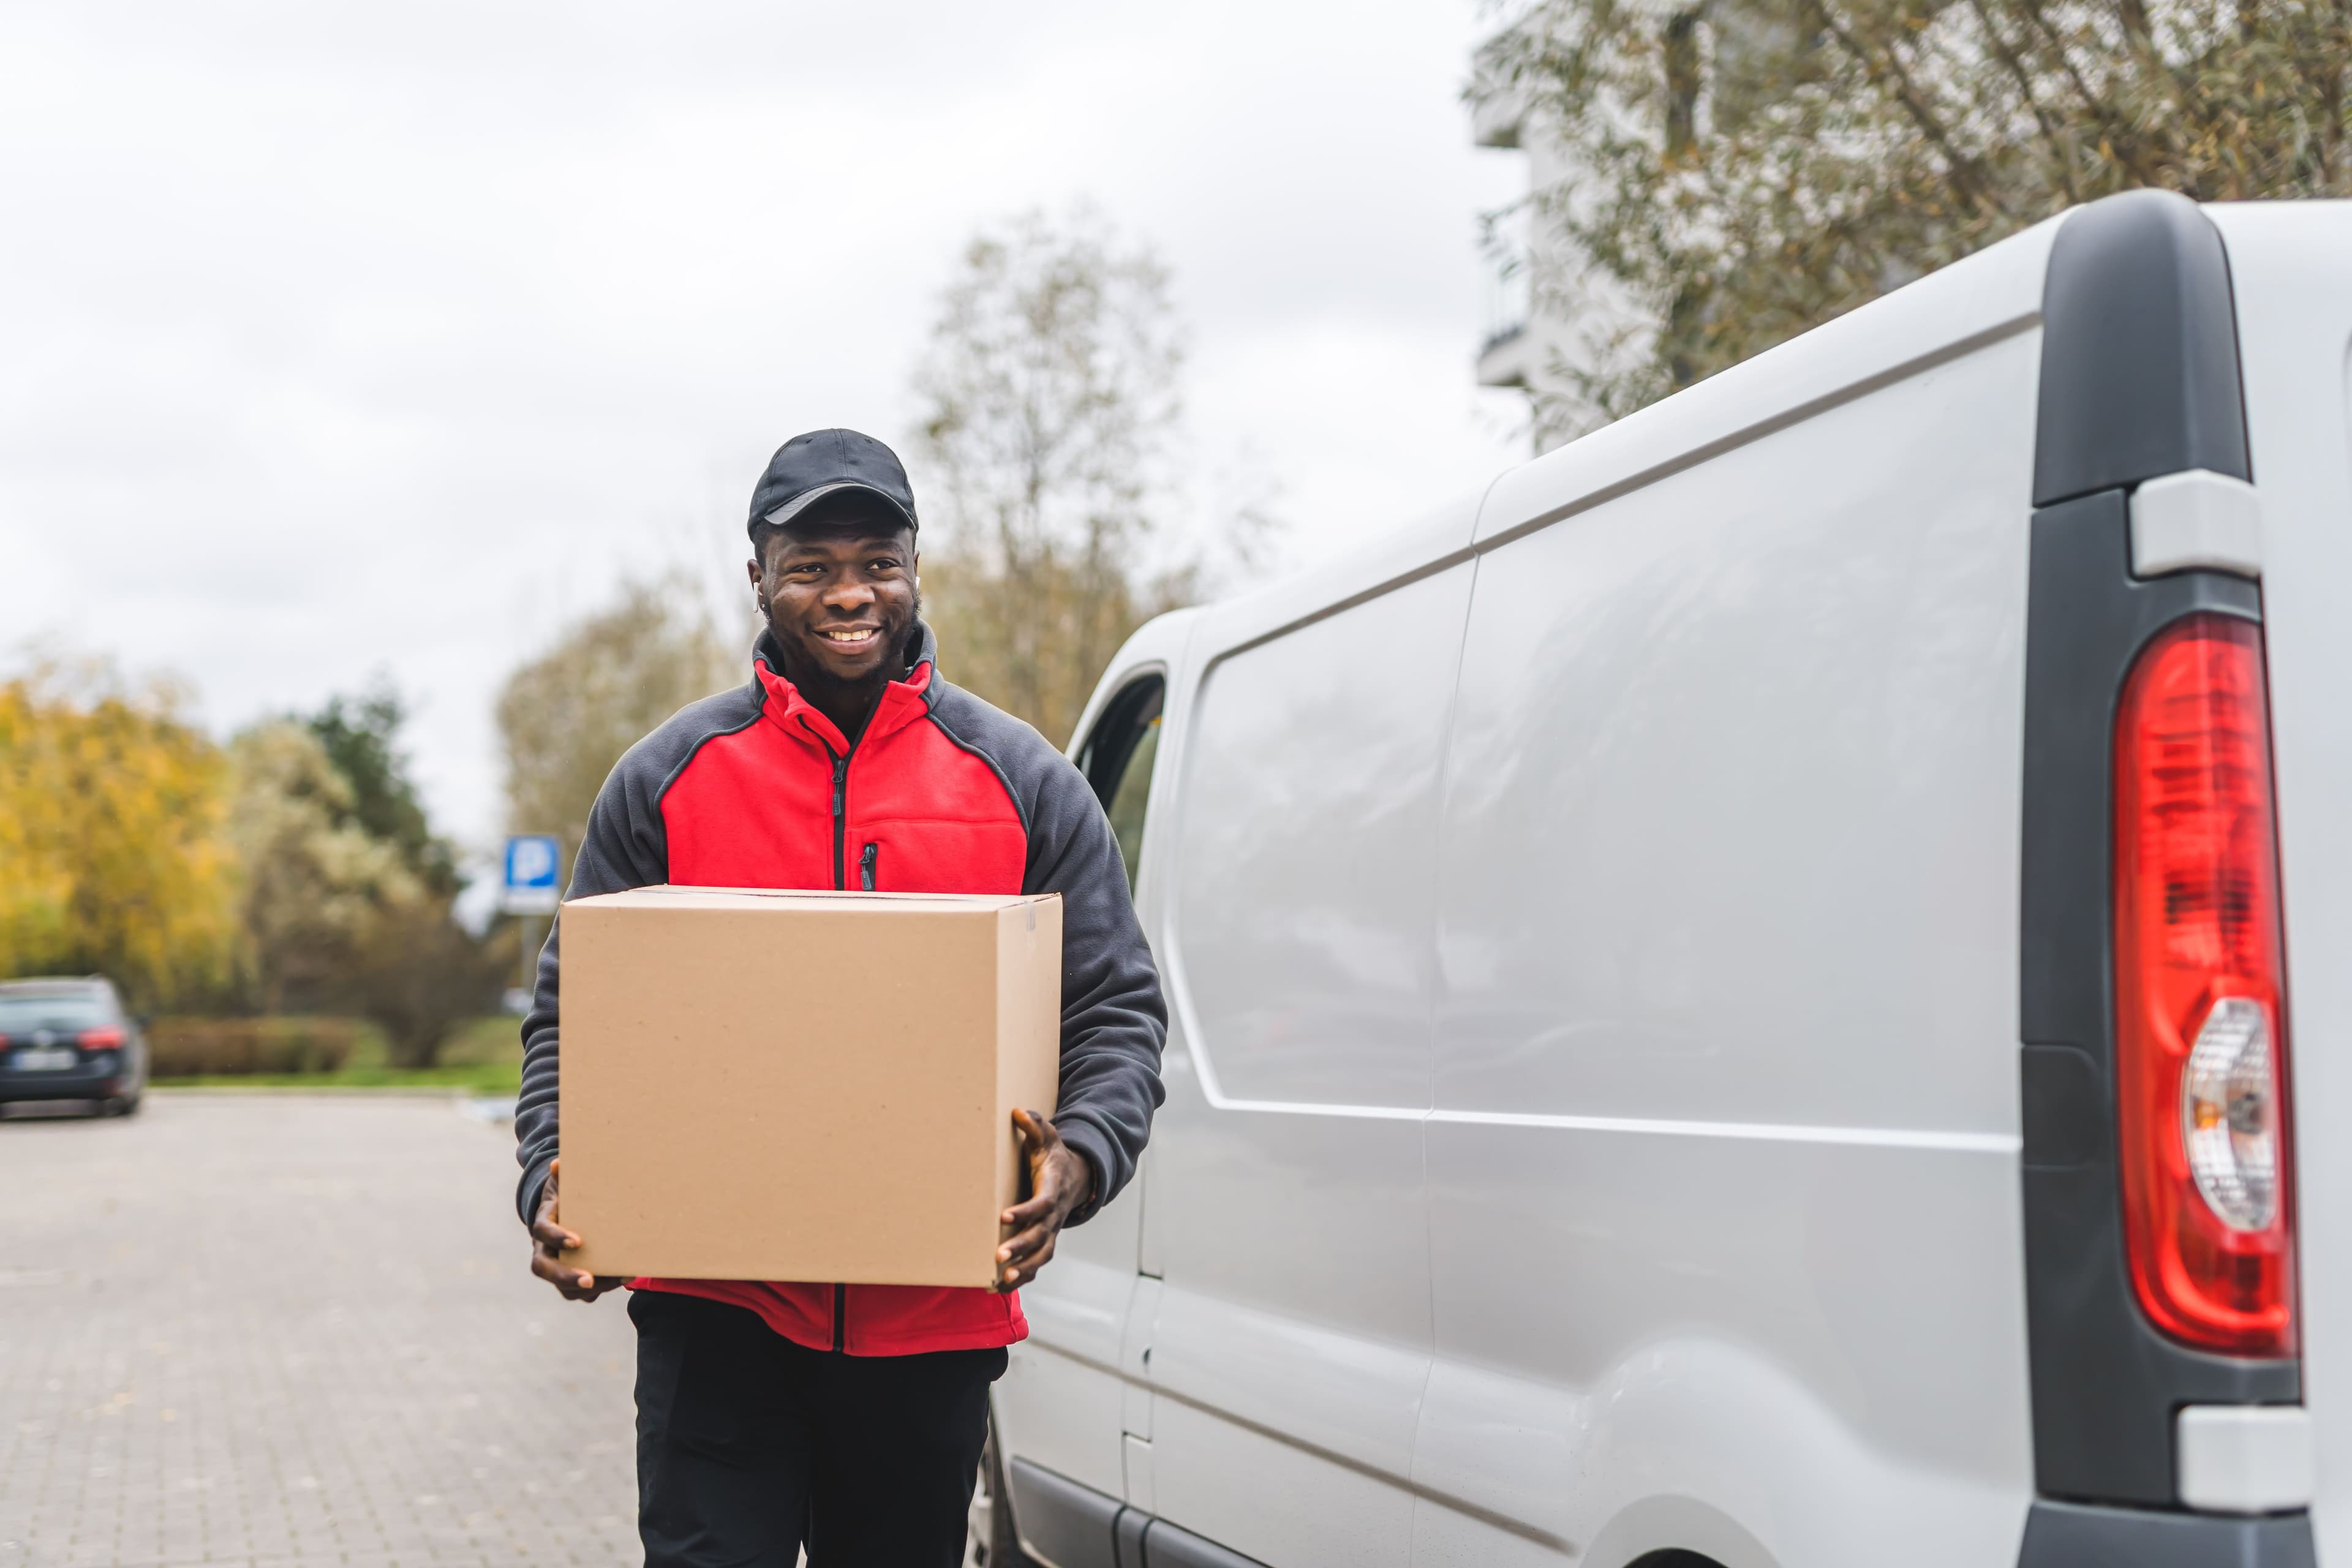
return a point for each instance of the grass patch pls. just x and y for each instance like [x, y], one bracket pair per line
[496, 1037]
[491, 1078]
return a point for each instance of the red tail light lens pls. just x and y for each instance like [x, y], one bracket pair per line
[100, 1039]
[2200, 1049]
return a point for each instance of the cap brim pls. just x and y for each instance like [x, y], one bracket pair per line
[807, 499]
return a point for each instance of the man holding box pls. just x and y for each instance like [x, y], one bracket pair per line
[850, 1416]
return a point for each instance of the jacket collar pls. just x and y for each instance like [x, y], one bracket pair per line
[904, 701]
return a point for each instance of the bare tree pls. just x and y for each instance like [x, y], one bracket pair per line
[1742, 169]
[607, 680]
[1051, 414]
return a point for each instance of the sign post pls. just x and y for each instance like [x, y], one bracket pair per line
[533, 862]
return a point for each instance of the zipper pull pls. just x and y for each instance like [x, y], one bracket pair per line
[867, 861]
[840, 786]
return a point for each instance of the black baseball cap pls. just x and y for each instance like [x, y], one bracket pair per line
[809, 468]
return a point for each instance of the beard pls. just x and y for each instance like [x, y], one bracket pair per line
[914, 637]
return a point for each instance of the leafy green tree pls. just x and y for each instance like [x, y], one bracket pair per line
[361, 738]
[347, 891]
[421, 973]
[1738, 171]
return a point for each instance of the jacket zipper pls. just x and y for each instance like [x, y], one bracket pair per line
[840, 813]
[840, 830]
[869, 863]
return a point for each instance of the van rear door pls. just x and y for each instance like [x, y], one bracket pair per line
[2291, 272]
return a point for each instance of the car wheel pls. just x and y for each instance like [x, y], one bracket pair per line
[989, 1540]
[126, 1106]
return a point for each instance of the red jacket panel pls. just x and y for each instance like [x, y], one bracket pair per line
[940, 793]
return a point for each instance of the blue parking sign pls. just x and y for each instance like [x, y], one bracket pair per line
[534, 864]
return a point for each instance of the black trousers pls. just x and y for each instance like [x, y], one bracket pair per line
[749, 1444]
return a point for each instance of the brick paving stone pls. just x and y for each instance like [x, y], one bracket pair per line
[295, 1332]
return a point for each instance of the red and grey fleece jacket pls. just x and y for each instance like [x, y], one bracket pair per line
[941, 794]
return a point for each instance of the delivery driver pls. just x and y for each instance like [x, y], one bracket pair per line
[850, 1416]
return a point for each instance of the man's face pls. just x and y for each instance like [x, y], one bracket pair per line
[840, 597]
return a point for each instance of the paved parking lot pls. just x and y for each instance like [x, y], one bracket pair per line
[295, 1329]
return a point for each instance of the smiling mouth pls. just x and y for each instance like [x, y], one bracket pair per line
[857, 638]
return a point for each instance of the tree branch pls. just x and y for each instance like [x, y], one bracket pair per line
[2016, 65]
[2116, 135]
[1965, 177]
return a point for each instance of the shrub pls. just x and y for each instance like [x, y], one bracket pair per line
[189, 1048]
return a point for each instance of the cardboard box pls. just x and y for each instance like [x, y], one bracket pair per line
[803, 1086]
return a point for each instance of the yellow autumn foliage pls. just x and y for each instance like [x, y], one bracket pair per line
[114, 852]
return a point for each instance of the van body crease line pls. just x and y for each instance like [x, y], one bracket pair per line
[1663, 1127]
[1463, 1506]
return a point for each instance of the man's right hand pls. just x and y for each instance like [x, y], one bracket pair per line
[549, 1243]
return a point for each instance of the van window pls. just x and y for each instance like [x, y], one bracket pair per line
[1116, 760]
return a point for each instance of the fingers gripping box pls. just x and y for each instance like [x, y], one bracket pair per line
[812, 1086]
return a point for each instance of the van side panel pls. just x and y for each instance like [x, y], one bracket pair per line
[2291, 265]
[1292, 1333]
[1723, 1157]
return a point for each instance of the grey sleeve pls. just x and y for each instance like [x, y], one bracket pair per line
[1114, 1021]
[627, 845]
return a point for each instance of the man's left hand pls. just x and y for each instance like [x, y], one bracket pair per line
[1060, 1180]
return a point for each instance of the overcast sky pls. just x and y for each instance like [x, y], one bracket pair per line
[339, 337]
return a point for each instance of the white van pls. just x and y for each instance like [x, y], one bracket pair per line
[1728, 1002]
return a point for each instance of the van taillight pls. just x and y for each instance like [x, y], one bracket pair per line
[2200, 1055]
[100, 1039]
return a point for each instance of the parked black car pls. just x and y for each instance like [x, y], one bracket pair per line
[70, 1039]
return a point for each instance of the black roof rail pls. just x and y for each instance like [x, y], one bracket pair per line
[2139, 350]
